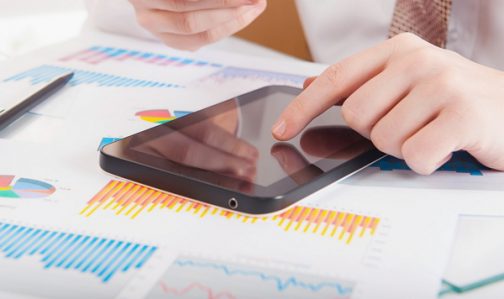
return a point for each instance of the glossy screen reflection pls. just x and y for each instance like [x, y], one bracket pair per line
[231, 144]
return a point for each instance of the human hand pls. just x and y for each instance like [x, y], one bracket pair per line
[328, 142]
[191, 24]
[413, 100]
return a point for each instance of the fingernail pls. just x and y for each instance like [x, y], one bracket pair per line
[279, 128]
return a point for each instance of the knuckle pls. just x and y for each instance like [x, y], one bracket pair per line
[176, 6]
[380, 140]
[349, 114]
[169, 40]
[239, 18]
[226, 3]
[180, 154]
[404, 42]
[460, 113]
[186, 156]
[334, 73]
[208, 37]
[296, 107]
[186, 22]
[448, 79]
[424, 56]
[415, 158]
[406, 38]
[144, 18]
[206, 137]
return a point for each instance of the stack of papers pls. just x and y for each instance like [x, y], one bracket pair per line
[69, 230]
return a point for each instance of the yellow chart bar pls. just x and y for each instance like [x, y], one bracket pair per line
[331, 217]
[302, 218]
[321, 218]
[132, 200]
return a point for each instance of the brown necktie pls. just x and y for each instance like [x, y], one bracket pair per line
[425, 18]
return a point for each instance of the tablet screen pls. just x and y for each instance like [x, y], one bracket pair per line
[230, 144]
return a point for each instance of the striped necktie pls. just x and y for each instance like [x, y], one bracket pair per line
[425, 18]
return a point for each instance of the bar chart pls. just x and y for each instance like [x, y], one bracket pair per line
[101, 54]
[101, 257]
[461, 162]
[47, 73]
[132, 200]
[230, 75]
[43, 261]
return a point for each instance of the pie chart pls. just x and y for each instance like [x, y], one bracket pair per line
[10, 187]
[158, 116]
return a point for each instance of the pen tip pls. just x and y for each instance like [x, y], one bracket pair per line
[68, 77]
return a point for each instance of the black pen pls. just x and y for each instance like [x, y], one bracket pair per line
[10, 114]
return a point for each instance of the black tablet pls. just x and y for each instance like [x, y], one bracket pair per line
[225, 155]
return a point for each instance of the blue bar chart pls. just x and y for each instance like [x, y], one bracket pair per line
[102, 258]
[232, 74]
[461, 162]
[47, 73]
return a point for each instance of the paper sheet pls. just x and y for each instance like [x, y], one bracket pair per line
[347, 241]
[476, 269]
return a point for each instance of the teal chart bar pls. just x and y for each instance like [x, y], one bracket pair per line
[47, 73]
[101, 257]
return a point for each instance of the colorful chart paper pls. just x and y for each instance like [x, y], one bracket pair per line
[47, 73]
[101, 257]
[190, 277]
[99, 54]
[24, 188]
[131, 200]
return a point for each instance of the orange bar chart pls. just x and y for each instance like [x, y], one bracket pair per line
[131, 200]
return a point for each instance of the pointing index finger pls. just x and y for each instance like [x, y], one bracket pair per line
[336, 83]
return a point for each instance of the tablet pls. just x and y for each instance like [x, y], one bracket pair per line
[225, 155]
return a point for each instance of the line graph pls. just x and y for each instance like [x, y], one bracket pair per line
[47, 73]
[281, 284]
[101, 54]
[193, 287]
[132, 200]
[213, 279]
[475, 267]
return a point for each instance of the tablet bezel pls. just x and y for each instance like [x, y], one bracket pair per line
[117, 158]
